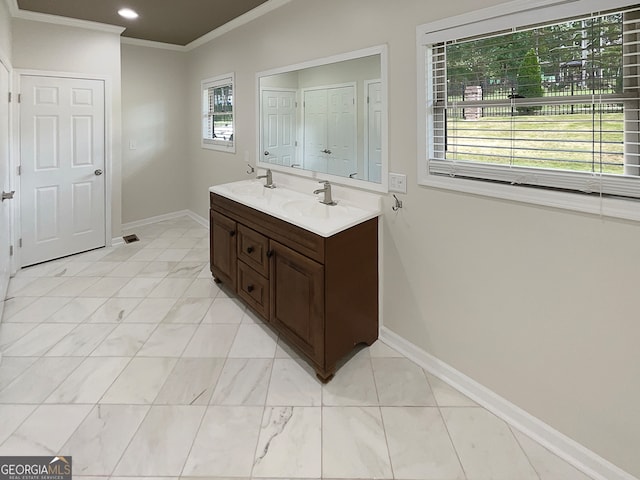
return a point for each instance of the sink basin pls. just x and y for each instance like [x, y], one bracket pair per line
[314, 209]
[250, 190]
[297, 207]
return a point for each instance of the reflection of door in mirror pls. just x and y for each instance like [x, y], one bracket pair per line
[329, 128]
[315, 130]
[373, 132]
[341, 131]
[337, 133]
[279, 127]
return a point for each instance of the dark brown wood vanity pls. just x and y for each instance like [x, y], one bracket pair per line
[320, 293]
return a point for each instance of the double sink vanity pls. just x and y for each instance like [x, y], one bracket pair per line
[304, 255]
[308, 269]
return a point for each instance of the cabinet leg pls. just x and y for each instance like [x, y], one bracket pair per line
[325, 377]
[217, 280]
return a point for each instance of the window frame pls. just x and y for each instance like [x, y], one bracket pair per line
[493, 19]
[212, 143]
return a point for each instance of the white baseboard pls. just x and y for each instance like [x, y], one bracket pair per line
[201, 220]
[157, 218]
[576, 454]
[116, 241]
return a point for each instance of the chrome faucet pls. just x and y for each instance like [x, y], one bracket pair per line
[327, 193]
[269, 177]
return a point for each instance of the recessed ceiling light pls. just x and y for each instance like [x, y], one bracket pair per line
[128, 13]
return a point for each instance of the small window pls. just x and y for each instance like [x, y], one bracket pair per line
[217, 113]
[546, 98]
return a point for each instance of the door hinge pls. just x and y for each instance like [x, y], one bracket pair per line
[9, 97]
[296, 104]
[11, 250]
[368, 99]
[19, 243]
[19, 170]
[19, 98]
[295, 143]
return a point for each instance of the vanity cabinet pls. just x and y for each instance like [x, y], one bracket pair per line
[319, 293]
[222, 241]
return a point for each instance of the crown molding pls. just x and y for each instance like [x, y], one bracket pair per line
[16, 12]
[151, 44]
[251, 15]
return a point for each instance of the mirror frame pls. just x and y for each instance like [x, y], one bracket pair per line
[383, 186]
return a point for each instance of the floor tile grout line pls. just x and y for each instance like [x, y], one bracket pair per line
[379, 406]
[35, 405]
[524, 451]
[453, 445]
[124, 450]
[264, 404]
[195, 436]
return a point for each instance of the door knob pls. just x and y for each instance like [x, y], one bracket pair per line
[98, 172]
[8, 195]
[266, 152]
[327, 151]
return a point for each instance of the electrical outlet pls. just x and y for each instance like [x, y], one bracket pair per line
[397, 182]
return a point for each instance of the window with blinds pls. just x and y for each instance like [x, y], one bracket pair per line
[553, 104]
[217, 113]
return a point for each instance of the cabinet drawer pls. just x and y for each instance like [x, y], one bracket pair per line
[253, 288]
[252, 249]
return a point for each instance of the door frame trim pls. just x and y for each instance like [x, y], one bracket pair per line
[15, 154]
[6, 61]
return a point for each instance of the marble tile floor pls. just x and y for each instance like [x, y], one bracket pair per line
[131, 360]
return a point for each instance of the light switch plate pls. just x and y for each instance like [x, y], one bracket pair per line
[397, 182]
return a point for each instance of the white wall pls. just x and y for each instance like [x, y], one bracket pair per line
[48, 47]
[154, 174]
[5, 31]
[537, 304]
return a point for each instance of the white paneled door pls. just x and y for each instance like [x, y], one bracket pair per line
[373, 143]
[330, 130]
[62, 151]
[315, 130]
[279, 127]
[341, 131]
[5, 206]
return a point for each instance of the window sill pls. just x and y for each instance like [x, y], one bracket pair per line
[222, 146]
[608, 207]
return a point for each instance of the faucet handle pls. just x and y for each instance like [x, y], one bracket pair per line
[324, 182]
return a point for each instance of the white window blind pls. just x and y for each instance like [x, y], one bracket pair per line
[217, 112]
[553, 105]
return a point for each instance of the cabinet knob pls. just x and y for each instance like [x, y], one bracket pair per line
[249, 249]
[250, 288]
[269, 253]
[232, 233]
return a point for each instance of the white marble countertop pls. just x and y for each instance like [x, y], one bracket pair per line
[301, 209]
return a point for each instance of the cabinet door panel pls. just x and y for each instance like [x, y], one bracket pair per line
[297, 299]
[253, 288]
[223, 248]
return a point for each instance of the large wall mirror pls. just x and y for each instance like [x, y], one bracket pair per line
[327, 119]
